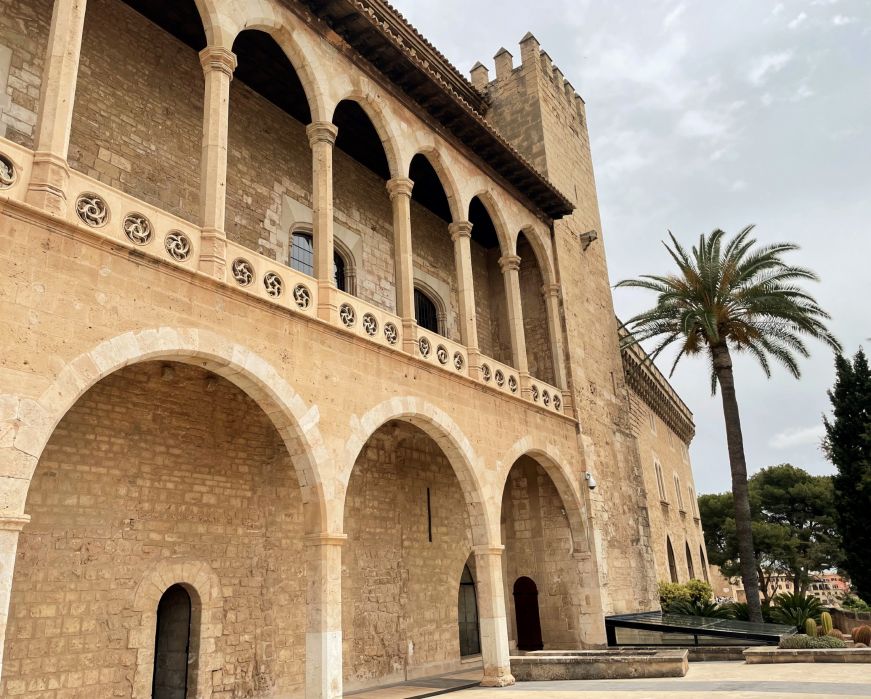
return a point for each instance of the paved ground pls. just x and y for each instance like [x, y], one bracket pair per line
[716, 680]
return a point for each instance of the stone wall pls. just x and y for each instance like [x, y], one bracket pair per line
[399, 588]
[538, 545]
[24, 27]
[158, 461]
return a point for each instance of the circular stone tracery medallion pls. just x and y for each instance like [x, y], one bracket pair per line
[177, 245]
[557, 402]
[138, 229]
[370, 324]
[92, 210]
[512, 384]
[302, 296]
[442, 354]
[347, 315]
[7, 172]
[500, 378]
[486, 374]
[273, 284]
[391, 333]
[459, 361]
[534, 393]
[424, 346]
[545, 398]
[243, 272]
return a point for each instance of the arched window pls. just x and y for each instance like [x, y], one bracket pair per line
[690, 568]
[660, 483]
[339, 272]
[702, 563]
[672, 564]
[678, 492]
[302, 253]
[425, 311]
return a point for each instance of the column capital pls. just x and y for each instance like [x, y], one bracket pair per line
[218, 58]
[509, 263]
[460, 229]
[488, 549]
[321, 132]
[550, 291]
[399, 187]
[13, 523]
[325, 539]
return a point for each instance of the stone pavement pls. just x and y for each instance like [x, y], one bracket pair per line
[718, 680]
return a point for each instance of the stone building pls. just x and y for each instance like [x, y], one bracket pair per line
[307, 351]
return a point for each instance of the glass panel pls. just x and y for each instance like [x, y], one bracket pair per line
[339, 272]
[302, 254]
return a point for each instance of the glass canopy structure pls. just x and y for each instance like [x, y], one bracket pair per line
[661, 629]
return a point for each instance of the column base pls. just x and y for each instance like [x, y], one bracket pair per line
[505, 680]
[49, 180]
[213, 253]
[409, 336]
[328, 302]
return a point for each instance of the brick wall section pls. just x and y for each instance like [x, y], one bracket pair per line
[133, 475]
[24, 27]
[538, 542]
[399, 590]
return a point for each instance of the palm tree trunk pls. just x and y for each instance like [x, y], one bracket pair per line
[723, 368]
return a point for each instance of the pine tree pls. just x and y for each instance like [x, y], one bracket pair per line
[848, 446]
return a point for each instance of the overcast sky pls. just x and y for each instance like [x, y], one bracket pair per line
[706, 115]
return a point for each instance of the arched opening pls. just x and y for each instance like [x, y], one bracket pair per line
[172, 645]
[672, 564]
[527, 614]
[703, 563]
[162, 461]
[491, 305]
[434, 264]
[269, 175]
[409, 532]
[363, 211]
[539, 544]
[426, 311]
[690, 568]
[156, 157]
[539, 350]
[467, 615]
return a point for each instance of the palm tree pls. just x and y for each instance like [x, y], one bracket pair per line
[732, 296]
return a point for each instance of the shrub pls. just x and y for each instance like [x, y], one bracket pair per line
[826, 642]
[706, 608]
[855, 604]
[670, 592]
[741, 613]
[699, 590]
[826, 621]
[795, 610]
[802, 641]
[862, 634]
[810, 628]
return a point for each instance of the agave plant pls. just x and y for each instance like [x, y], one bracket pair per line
[795, 610]
[706, 608]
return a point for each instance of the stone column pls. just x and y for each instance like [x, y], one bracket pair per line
[50, 176]
[323, 636]
[551, 293]
[510, 266]
[322, 138]
[10, 528]
[491, 616]
[399, 189]
[218, 66]
[461, 234]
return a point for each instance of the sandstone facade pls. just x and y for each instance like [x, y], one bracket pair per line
[221, 222]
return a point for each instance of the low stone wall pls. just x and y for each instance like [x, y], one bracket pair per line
[846, 621]
[710, 654]
[762, 656]
[599, 665]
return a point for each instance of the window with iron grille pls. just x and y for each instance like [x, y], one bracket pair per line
[425, 311]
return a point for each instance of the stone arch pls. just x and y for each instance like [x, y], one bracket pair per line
[261, 15]
[214, 24]
[448, 183]
[542, 254]
[207, 600]
[554, 465]
[488, 199]
[441, 428]
[295, 422]
[381, 119]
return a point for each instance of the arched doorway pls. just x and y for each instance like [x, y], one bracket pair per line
[172, 644]
[526, 613]
[672, 564]
[690, 568]
[467, 615]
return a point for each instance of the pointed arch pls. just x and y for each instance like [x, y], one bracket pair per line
[442, 429]
[672, 562]
[445, 177]
[539, 249]
[381, 122]
[296, 423]
[490, 205]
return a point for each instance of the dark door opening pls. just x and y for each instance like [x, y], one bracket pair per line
[467, 614]
[526, 613]
[171, 644]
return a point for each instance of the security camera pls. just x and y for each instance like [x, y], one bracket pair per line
[591, 482]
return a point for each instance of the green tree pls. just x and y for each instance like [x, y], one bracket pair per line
[793, 522]
[732, 296]
[848, 446]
